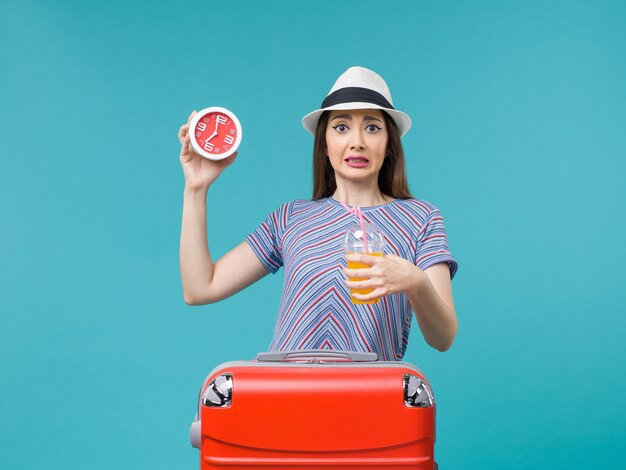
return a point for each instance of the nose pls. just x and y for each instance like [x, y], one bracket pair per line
[357, 142]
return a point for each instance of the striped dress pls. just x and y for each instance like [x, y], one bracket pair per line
[315, 311]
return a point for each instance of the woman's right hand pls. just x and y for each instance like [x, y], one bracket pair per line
[199, 172]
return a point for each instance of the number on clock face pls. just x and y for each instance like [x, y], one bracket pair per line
[216, 133]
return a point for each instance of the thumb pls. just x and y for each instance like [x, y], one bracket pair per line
[185, 154]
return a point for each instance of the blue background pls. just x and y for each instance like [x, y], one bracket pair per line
[518, 136]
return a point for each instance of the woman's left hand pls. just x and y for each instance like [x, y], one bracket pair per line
[386, 274]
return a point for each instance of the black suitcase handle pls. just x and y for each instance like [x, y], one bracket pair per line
[316, 356]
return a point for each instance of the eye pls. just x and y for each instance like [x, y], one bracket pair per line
[373, 128]
[341, 128]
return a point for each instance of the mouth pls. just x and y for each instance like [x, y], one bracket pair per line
[357, 161]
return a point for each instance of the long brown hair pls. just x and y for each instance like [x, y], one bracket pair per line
[391, 177]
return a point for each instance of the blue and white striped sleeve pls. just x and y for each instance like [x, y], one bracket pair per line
[432, 244]
[265, 241]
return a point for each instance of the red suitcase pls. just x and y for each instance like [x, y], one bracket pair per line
[317, 410]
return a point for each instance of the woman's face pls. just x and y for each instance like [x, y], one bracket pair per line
[356, 143]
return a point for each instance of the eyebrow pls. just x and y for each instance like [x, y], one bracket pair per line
[349, 118]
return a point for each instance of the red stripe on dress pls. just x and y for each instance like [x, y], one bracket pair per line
[297, 294]
[393, 348]
[317, 214]
[317, 325]
[424, 206]
[305, 209]
[389, 242]
[430, 222]
[380, 336]
[301, 316]
[267, 258]
[430, 253]
[356, 323]
[408, 237]
[339, 235]
[438, 235]
[417, 222]
[308, 260]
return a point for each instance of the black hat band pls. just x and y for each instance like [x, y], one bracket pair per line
[355, 94]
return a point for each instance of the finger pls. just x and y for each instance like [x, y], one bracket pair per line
[375, 294]
[361, 272]
[370, 260]
[184, 129]
[364, 284]
[185, 156]
[193, 113]
[187, 144]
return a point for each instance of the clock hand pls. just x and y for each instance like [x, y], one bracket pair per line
[217, 123]
[212, 135]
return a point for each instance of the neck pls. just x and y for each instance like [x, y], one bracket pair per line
[355, 195]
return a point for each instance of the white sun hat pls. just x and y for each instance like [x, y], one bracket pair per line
[359, 88]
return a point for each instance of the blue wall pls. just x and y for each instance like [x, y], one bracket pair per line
[519, 137]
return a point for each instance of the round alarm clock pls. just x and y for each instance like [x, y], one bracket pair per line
[215, 133]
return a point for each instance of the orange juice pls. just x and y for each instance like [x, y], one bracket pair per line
[355, 265]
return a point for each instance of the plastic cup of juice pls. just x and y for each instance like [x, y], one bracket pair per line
[371, 242]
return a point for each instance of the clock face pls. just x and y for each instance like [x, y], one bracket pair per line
[216, 133]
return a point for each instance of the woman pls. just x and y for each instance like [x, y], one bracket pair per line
[358, 172]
